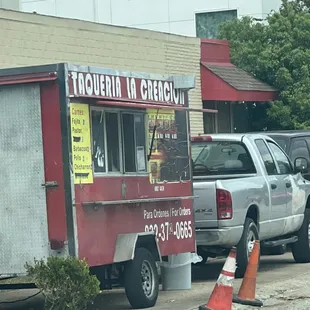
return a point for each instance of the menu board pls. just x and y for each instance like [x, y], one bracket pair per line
[81, 143]
[165, 131]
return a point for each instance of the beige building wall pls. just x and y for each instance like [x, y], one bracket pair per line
[31, 39]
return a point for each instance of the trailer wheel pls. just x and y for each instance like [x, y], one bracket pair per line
[141, 280]
[301, 248]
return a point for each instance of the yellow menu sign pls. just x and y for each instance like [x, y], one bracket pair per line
[81, 144]
[163, 121]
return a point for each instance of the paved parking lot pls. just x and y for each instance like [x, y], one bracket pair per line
[281, 285]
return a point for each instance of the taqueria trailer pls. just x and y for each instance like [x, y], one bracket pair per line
[95, 164]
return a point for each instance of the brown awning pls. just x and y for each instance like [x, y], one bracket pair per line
[226, 82]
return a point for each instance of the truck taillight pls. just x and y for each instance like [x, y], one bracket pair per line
[224, 205]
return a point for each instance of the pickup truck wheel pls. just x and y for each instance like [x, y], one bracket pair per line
[141, 280]
[245, 246]
[301, 248]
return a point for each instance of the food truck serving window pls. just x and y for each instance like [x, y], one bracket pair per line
[118, 141]
[169, 160]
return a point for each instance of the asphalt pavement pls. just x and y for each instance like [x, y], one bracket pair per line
[281, 284]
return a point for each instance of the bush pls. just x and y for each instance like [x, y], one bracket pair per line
[66, 283]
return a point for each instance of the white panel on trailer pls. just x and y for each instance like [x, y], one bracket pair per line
[23, 215]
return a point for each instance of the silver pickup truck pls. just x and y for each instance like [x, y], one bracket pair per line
[248, 189]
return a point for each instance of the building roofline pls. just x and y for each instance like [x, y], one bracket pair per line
[30, 69]
[86, 69]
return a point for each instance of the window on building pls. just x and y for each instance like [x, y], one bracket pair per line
[224, 117]
[209, 119]
[207, 23]
[118, 141]
[220, 122]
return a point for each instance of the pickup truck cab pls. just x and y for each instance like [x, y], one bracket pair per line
[295, 143]
[247, 189]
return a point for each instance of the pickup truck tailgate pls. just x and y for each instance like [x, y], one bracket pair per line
[205, 204]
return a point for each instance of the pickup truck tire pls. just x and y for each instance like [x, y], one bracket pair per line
[301, 248]
[141, 280]
[250, 233]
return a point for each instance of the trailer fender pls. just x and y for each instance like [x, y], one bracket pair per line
[127, 243]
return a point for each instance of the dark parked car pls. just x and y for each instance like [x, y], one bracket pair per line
[295, 143]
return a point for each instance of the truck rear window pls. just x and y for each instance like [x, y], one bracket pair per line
[221, 158]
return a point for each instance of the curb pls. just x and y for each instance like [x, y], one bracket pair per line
[194, 307]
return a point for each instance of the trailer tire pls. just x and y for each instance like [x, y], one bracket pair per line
[301, 248]
[141, 280]
[250, 233]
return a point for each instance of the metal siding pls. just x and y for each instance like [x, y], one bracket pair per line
[23, 220]
[53, 162]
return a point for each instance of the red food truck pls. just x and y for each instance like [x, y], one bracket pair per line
[95, 164]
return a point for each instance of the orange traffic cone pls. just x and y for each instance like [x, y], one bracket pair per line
[221, 297]
[246, 295]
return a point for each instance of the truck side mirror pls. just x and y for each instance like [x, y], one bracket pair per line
[300, 165]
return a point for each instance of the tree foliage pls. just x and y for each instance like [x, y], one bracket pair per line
[277, 51]
[66, 283]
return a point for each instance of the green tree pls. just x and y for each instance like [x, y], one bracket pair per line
[277, 51]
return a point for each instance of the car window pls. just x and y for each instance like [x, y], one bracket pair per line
[266, 156]
[221, 158]
[282, 160]
[281, 141]
[308, 141]
[299, 148]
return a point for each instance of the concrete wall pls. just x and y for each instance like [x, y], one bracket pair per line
[30, 39]
[10, 4]
[172, 16]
